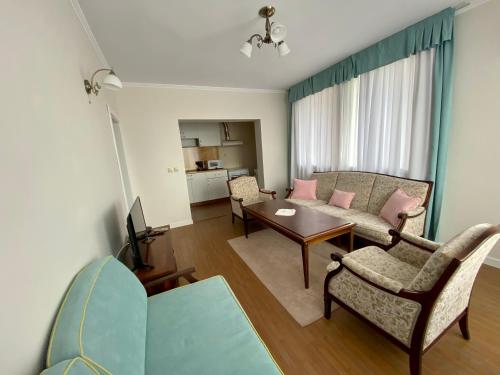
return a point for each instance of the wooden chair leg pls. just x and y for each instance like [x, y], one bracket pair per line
[245, 223]
[464, 325]
[328, 306]
[415, 362]
[232, 218]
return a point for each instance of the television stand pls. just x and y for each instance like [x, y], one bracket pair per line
[162, 273]
[148, 240]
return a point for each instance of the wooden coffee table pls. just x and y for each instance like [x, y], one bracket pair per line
[306, 227]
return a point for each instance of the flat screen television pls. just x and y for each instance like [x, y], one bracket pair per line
[137, 230]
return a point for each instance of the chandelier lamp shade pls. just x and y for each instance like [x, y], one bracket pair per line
[275, 35]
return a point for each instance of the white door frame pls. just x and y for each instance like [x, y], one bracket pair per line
[113, 117]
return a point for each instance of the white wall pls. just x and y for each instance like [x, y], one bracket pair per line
[149, 120]
[60, 194]
[473, 180]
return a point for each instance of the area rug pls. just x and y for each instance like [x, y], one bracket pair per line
[277, 262]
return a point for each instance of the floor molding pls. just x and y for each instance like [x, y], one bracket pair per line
[492, 261]
[181, 223]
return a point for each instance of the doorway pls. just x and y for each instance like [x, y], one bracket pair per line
[232, 147]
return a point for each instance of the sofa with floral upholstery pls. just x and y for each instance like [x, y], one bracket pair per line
[372, 191]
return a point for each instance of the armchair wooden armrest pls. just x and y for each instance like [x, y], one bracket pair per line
[336, 257]
[270, 192]
[289, 192]
[236, 199]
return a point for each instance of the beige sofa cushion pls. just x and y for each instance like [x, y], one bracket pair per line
[358, 182]
[335, 211]
[384, 186]
[371, 227]
[306, 203]
[326, 184]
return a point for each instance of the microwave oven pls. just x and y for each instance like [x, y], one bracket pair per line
[214, 164]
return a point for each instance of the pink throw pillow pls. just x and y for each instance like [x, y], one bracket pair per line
[304, 189]
[398, 202]
[341, 198]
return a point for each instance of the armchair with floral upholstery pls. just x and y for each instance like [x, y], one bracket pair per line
[244, 191]
[414, 291]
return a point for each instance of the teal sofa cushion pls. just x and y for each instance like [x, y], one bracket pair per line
[103, 320]
[75, 366]
[202, 329]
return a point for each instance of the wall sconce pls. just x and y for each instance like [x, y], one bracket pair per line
[110, 81]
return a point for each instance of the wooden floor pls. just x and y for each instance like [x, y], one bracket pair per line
[343, 345]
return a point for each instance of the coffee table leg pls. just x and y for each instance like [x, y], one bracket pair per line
[305, 263]
[245, 223]
[351, 240]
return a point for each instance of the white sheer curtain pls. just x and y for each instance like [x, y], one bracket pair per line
[377, 122]
[322, 131]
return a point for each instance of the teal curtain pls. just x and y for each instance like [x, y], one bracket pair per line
[441, 123]
[433, 32]
[428, 33]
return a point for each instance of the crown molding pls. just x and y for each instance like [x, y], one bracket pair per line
[102, 59]
[86, 28]
[465, 6]
[202, 88]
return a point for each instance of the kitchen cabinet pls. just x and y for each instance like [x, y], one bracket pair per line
[200, 189]
[205, 186]
[217, 185]
[188, 131]
[207, 134]
[189, 178]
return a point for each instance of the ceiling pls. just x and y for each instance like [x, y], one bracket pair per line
[197, 42]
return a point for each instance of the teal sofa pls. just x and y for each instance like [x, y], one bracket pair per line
[107, 325]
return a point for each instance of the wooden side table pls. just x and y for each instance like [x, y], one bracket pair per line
[158, 252]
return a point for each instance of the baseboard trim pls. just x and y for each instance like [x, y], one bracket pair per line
[181, 223]
[492, 261]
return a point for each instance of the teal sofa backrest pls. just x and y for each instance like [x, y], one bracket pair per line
[102, 319]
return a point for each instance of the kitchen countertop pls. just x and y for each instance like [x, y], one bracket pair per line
[192, 171]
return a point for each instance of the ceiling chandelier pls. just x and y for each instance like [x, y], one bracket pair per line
[275, 33]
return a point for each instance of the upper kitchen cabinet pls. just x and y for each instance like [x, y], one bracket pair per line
[204, 134]
[209, 135]
[188, 131]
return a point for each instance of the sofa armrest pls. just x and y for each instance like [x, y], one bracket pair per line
[411, 214]
[416, 241]
[289, 192]
[374, 277]
[412, 221]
